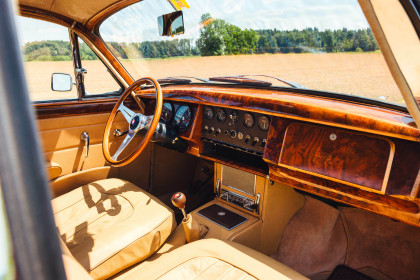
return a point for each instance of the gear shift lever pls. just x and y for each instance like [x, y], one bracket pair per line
[179, 200]
[193, 230]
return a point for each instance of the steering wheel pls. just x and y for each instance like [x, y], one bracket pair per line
[136, 122]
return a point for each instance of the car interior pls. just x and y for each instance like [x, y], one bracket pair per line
[171, 180]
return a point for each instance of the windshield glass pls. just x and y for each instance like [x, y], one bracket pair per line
[323, 45]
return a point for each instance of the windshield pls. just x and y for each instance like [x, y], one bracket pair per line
[322, 45]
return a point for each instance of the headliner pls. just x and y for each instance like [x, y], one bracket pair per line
[79, 10]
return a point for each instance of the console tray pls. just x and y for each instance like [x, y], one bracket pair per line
[222, 216]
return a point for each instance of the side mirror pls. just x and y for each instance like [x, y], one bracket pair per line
[61, 82]
[171, 24]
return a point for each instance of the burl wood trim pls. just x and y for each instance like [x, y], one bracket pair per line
[301, 107]
[77, 108]
[353, 158]
[405, 167]
[393, 207]
[416, 187]
[275, 139]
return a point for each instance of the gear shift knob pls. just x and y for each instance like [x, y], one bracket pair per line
[179, 200]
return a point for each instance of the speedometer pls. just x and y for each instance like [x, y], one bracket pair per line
[182, 117]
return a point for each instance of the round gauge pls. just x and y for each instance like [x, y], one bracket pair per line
[248, 120]
[208, 113]
[167, 112]
[182, 117]
[263, 123]
[221, 115]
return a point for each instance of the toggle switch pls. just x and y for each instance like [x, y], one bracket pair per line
[256, 140]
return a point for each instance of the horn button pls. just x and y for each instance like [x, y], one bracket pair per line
[134, 122]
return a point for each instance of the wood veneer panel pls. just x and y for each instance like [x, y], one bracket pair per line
[351, 157]
[275, 139]
[301, 107]
[405, 167]
[396, 208]
[74, 108]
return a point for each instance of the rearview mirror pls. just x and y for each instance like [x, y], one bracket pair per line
[61, 82]
[171, 24]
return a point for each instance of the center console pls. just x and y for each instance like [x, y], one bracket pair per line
[235, 213]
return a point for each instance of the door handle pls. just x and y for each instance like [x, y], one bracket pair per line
[85, 138]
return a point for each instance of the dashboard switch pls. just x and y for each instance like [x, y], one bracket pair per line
[264, 141]
[247, 138]
[218, 131]
[256, 140]
[233, 133]
[211, 130]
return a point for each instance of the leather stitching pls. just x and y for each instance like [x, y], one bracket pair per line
[116, 253]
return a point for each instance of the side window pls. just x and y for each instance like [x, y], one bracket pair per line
[46, 50]
[97, 79]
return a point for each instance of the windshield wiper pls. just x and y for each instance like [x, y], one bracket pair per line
[292, 84]
[181, 80]
[243, 80]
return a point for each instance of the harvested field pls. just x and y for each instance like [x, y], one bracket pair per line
[364, 74]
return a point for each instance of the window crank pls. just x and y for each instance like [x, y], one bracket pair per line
[85, 138]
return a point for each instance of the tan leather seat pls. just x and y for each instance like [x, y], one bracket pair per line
[203, 259]
[212, 259]
[111, 224]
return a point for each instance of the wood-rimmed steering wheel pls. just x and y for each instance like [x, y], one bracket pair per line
[136, 122]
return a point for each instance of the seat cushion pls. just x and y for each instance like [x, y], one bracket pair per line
[212, 259]
[111, 224]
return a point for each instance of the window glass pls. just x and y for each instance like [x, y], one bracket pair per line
[323, 44]
[97, 79]
[46, 50]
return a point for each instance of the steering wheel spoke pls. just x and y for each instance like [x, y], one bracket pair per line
[127, 112]
[123, 145]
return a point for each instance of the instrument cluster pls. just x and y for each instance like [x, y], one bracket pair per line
[179, 115]
[245, 131]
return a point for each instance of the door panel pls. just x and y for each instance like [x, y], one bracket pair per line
[63, 146]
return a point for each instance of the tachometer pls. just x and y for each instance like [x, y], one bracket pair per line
[263, 123]
[221, 115]
[167, 112]
[248, 120]
[182, 117]
[208, 113]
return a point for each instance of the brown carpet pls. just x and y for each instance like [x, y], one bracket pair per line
[314, 240]
[319, 238]
[391, 247]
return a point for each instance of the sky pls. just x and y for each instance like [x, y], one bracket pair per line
[139, 22]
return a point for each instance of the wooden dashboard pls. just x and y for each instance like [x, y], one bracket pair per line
[353, 153]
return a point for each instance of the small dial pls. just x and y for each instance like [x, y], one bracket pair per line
[167, 112]
[263, 123]
[208, 113]
[220, 115]
[248, 120]
[182, 117]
